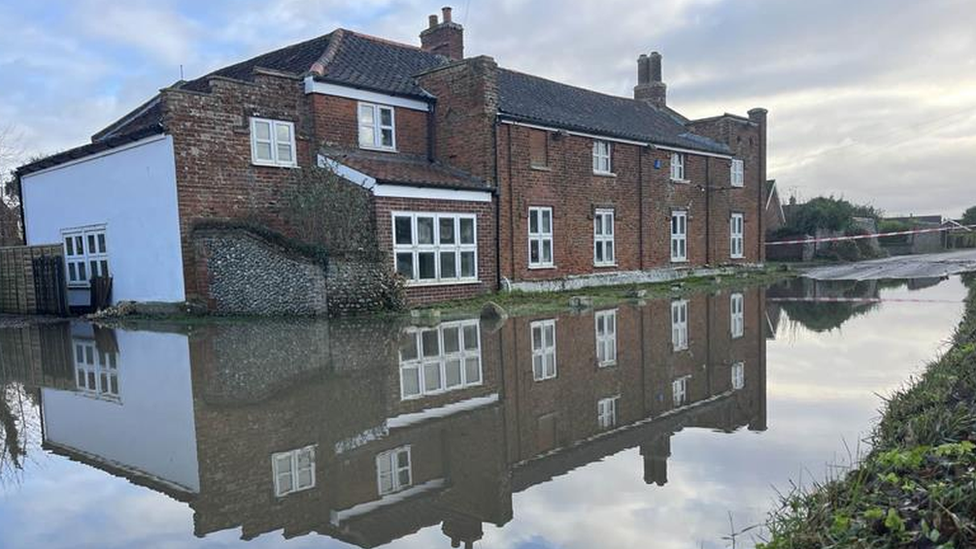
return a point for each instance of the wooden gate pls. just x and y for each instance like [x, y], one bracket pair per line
[32, 280]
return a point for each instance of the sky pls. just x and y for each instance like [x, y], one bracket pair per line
[870, 100]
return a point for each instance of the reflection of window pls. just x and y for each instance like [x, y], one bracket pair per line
[606, 412]
[606, 337]
[272, 142]
[679, 325]
[679, 236]
[294, 471]
[543, 349]
[96, 372]
[440, 359]
[85, 254]
[376, 127]
[540, 237]
[603, 249]
[736, 238]
[431, 248]
[738, 376]
[679, 390]
[393, 470]
[737, 306]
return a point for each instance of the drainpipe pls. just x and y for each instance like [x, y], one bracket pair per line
[511, 206]
[20, 206]
[498, 211]
[708, 211]
[431, 131]
[640, 206]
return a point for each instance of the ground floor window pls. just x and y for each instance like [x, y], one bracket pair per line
[394, 470]
[432, 248]
[606, 412]
[679, 236]
[96, 371]
[85, 254]
[435, 360]
[679, 325]
[737, 231]
[606, 338]
[294, 471]
[603, 246]
[540, 237]
[737, 320]
[543, 349]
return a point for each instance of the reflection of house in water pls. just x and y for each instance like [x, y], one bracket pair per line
[367, 432]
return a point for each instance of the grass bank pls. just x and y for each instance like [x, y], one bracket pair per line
[917, 485]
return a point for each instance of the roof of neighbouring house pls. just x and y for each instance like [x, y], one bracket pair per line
[357, 60]
[409, 170]
[537, 100]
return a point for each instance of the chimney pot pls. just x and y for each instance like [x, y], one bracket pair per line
[650, 88]
[643, 70]
[431, 21]
[446, 10]
[655, 65]
[445, 38]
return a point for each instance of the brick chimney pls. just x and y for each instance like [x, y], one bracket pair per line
[650, 88]
[444, 38]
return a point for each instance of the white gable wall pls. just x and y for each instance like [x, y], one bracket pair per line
[132, 191]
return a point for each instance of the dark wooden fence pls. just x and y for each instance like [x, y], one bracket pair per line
[32, 280]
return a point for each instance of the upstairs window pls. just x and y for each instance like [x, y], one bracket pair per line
[538, 149]
[678, 167]
[377, 127]
[679, 325]
[540, 237]
[606, 338]
[603, 248]
[602, 157]
[738, 173]
[272, 143]
[85, 254]
[736, 232]
[294, 471]
[543, 349]
[737, 320]
[394, 471]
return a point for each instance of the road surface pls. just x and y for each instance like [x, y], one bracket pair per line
[902, 266]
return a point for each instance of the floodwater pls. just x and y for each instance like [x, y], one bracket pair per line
[662, 423]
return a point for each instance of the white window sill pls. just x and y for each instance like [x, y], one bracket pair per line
[273, 164]
[85, 286]
[734, 186]
[679, 261]
[604, 265]
[604, 174]
[424, 284]
[738, 257]
[681, 181]
[541, 267]
[378, 149]
[540, 168]
[606, 364]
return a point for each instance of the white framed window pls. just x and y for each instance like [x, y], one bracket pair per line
[85, 254]
[736, 235]
[679, 391]
[606, 337]
[678, 167]
[606, 412]
[737, 320]
[604, 254]
[737, 175]
[377, 127]
[96, 372]
[540, 237]
[272, 143]
[738, 376]
[394, 470]
[679, 236]
[679, 325]
[543, 349]
[434, 248]
[294, 471]
[602, 154]
[440, 359]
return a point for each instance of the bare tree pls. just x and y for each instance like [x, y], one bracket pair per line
[11, 152]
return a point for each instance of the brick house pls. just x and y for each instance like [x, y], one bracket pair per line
[478, 177]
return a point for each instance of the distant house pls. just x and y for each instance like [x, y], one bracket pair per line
[920, 243]
[775, 217]
[9, 226]
[478, 177]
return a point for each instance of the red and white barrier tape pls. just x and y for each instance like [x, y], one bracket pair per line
[863, 236]
[855, 300]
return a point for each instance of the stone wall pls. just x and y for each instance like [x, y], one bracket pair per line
[248, 274]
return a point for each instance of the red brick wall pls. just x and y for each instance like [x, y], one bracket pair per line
[486, 249]
[336, 123]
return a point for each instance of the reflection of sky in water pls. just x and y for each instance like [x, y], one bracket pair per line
[821, 392]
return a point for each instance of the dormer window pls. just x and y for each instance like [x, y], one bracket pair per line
[376, 127]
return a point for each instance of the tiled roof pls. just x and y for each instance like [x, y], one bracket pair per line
[376, 64]
[532, 99]
[89, 149]
[401, 169]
